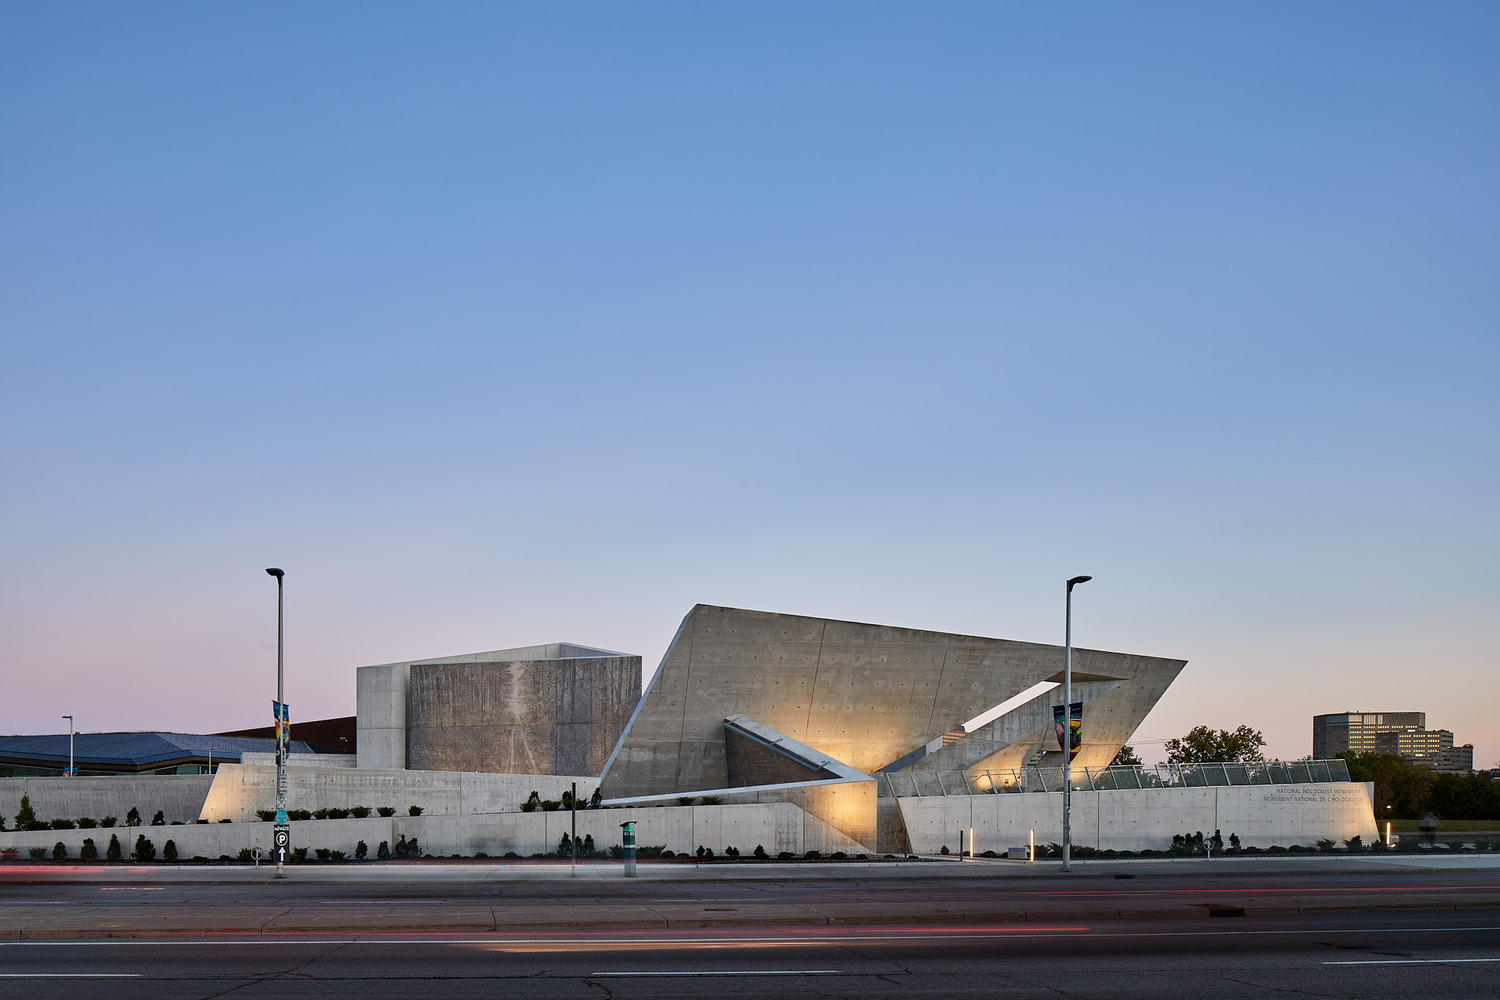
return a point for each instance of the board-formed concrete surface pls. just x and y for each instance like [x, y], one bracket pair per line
[178, 796]
[865, 695]
[555, 709]
[1145, 818]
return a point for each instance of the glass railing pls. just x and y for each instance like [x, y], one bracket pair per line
[986, 781]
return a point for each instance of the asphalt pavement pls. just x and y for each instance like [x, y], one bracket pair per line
[44, 902]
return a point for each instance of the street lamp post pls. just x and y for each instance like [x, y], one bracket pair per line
[70, 744]
[282, 830]
[1067, 841]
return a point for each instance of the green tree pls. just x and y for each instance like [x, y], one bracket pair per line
[133, 818]
[1203, 745]
[1126, 757]
[26, 816]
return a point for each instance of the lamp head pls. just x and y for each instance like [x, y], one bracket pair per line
[278, 574]
[1071, 583]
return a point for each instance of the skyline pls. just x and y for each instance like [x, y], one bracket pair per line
[497, 325]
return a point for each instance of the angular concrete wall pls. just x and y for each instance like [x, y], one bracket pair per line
[865, 695]
[1146, 818]
[559, 716]
[557, 709]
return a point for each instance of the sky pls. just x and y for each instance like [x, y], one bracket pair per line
[496, 324]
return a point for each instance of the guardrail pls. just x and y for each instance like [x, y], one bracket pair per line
[1095, 779]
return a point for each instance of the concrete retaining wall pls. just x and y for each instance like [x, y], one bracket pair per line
[240, 789]
[776, 826]
[1147, 818]
[178, 796]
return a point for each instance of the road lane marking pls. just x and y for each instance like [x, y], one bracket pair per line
[69, 975]
[730, 972]
[1416, 961]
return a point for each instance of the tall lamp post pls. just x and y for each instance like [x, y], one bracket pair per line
[282, 830]
[1067, 843]
[70, 744]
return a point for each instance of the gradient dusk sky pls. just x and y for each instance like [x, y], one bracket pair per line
[497, 324]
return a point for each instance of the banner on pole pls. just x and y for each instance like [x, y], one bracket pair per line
[282, 714]
[1069, 734]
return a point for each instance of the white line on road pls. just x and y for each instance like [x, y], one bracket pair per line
[69, 975]
[1416, 961]
[731, 972]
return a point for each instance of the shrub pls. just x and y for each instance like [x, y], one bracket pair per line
[713, 800]
[550, 805]
[838, 856]
[589, 850]
[322, 853]
[158, 819]
[266, 815]
[144, 849]
[668, 854]
[1325, 844]
[63, 824]
[299, 855]
[383, 852]
[338, 814]
[785, 856]
[107, 822]
[337, 855]
[88, 852]
[25, 816]
[417, 810]
[246, 855]
[226, 819]
[532, 802]
[760, 852]
[564, 846]
[387, 810]
[686, 800]
[596, 798]
[320, 814]
[112, 851]
[133, 817]
[169, 851]
[944, 850]
[59, 851]
[731, 851]
[360, 850]
[87, 823]
[1355, 843]
[812, 856]
[1234, 842]
[298, 814]
[37, 853]
[360, 812]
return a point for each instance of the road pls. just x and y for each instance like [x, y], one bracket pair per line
[952, 931]
[1371, 954]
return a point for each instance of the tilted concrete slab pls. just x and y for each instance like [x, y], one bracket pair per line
[862, 694]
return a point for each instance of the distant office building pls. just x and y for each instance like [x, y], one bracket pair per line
[1400, 734]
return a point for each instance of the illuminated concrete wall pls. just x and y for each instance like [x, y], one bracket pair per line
[865, 695]
[556, 709]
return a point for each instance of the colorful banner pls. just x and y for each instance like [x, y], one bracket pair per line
[1073, 740]
[283, 716]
